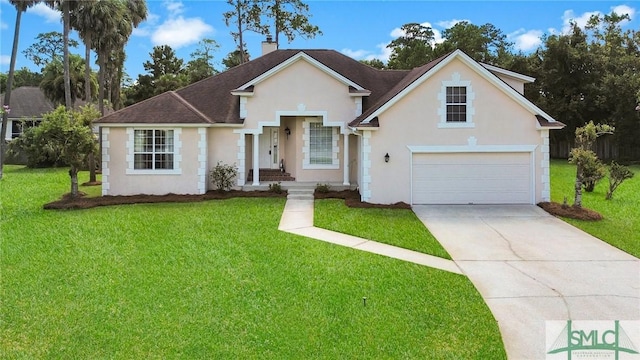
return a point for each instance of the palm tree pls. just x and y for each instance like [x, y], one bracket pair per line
[85, 20]
[66, 6]
[21, 6]
[52, 83]
[125, 15]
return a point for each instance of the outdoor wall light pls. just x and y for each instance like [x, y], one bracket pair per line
[386, 157]
[287, 131]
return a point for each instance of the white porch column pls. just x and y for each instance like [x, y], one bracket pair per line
[345, 151]
[256, 159]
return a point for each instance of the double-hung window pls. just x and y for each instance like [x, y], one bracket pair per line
[320, 144]
[153, 149]
[456, 103]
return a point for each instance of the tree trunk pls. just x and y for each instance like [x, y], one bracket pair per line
[577, 202]
[101, 82]
[241, 45]
[7, 95]
[92, 167]
[67, 78]
[87, 67]
[73, 173]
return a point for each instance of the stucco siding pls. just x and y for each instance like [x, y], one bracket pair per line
[413, 121]
[122, 183]
[301, 87]
[223, 147]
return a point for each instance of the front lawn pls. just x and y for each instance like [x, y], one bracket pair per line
[398, 227]
[621, 224]
[213, 279]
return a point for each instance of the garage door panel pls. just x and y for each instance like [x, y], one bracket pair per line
[478, 178]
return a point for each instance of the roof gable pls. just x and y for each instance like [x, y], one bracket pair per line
[421, 74]
[300, 56]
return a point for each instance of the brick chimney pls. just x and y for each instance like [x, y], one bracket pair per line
[269, 46]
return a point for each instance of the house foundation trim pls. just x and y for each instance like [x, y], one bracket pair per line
[105, 161]
[202, 161]
[365, 194]
[345, 159]
[546, 174]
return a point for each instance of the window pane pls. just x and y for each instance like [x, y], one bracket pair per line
[143, 161]
[164, 161]
[153, 149]
[320, 144]
[456, 113]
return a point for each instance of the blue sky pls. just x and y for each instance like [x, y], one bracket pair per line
[360, 29]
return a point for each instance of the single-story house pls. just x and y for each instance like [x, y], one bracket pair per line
[453, 131]
[28, 104]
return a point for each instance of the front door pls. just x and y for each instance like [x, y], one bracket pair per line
[270, 148]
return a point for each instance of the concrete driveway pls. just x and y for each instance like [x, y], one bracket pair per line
[531, 267]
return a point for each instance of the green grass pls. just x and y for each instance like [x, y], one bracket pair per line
[213, 280]
[621, 224]
[398, 227]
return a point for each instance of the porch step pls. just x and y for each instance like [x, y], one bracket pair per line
[300, 193]
[271, 175]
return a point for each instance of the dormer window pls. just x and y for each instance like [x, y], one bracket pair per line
[456, 103]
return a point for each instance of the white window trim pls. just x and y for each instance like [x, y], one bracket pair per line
[442, 96]
[177, 156]
[306, 161]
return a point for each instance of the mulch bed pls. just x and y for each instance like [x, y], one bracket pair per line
[350, 197]
[68, 203]
[572, 212]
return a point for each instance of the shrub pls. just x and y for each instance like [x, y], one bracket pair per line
[223, 176]
[593, 171]
[323, 188]
[617, 175]
[275, 188]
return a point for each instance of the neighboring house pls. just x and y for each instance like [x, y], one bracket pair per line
[28, 104]
[453, 131]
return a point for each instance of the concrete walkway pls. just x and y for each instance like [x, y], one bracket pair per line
[531, 267]
[297, 218]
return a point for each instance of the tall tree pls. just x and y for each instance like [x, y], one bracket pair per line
[413, 48]
[163, 61]
[234, 59]
[48, 47]
[52, 83]
[87, 20]
[484, 43]
[290, 17]
[165, 72]
[201, 64]
[21, 6]
[244, 16]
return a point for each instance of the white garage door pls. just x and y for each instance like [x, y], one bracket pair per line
[472, 178]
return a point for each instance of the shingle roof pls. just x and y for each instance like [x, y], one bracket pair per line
[210, 101]
[28, 102]
[548, 124]
[166, 108]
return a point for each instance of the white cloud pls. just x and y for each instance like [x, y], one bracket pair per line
[382, 54]
[580, 20]
[50, 15]
[356, 54]
[180, 32]
[174, 7]
[5, 59]
[446, 24]
[526, 40]
[624, 10]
